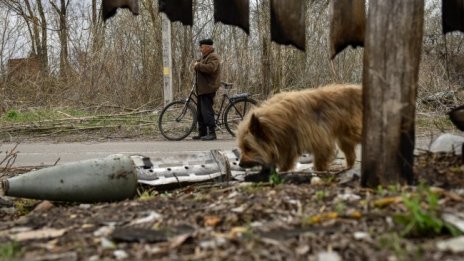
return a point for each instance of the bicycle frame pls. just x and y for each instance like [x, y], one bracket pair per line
[226, 99]
[188, 100]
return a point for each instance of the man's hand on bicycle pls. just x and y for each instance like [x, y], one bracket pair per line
[192, 66]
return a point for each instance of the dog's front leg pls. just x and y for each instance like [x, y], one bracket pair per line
[263, 175]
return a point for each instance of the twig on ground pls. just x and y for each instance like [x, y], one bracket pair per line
[8, 160]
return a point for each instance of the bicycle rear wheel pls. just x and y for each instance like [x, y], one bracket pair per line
[177, 120]
[235, 113]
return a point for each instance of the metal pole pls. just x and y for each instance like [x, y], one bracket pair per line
[167, 59]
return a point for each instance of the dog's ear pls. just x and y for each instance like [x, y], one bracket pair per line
[256, 127]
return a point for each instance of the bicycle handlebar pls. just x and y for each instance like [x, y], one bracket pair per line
[227, 85]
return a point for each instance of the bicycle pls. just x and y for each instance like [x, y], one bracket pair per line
[179, 118]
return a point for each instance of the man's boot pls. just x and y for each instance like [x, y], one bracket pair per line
[211, 135]
[197, 137]
[200, 135]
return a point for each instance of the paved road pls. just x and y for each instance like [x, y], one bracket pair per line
[45, 154]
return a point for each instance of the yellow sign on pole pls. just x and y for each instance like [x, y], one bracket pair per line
[167, 62]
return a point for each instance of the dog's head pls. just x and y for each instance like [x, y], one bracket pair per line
[255, 144]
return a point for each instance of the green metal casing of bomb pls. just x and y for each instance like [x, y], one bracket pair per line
[107, 179]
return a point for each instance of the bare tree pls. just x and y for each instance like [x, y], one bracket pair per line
[37, 27]
[264, 25]
[62, 12]
[42, 46]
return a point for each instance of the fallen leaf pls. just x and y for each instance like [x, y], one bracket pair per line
[383, 202]
[58, 256]
[360, 235]
[449, 194]
[151, 217]
[323, 217]
[316, 181]
[84, 226]
[455, 245]
[120, 254]
[212, 221]
[39, 234]
[237, 231]
[456, 219]
[105, 243]
[348, 197]
[329, 256]
[178, 241]
[354, 214]
[44, 206]
[302, 250]
[213, 243]
[239, 209]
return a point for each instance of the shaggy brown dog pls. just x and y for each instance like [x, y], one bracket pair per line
[312, 120]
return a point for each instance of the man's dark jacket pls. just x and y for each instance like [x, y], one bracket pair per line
[208, 73]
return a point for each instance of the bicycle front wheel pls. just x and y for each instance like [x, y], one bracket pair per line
[235, 113]
[177, 120]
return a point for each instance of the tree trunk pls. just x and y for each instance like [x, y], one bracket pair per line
[264, 28]
[97, 30]
[94, 26]
[156, 25]
[278, 70]
[64, 62]
[43, 48]
[94, 12]
[185, 76]
[391, 65]
[35, 38]
[63, 35]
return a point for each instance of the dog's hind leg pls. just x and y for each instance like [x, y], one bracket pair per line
[349, 149]
[323, 155]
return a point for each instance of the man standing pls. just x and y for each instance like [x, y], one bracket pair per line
[208, 70]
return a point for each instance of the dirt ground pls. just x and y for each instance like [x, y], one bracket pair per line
[328, 217]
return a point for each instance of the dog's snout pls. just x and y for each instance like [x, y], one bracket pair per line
[244, 165]
[247, 164]
[241, 164]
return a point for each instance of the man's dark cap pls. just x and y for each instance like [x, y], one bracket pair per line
[206, 41]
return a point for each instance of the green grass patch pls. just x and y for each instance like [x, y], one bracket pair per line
[23, 206]
[76, 114]
[321, 195]
[388, 190]
[440, 122]
[275, 178]
[401, 248]
[64, 121]
[147, 194]
[41, 114]
[422, 217]
[9, 250]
